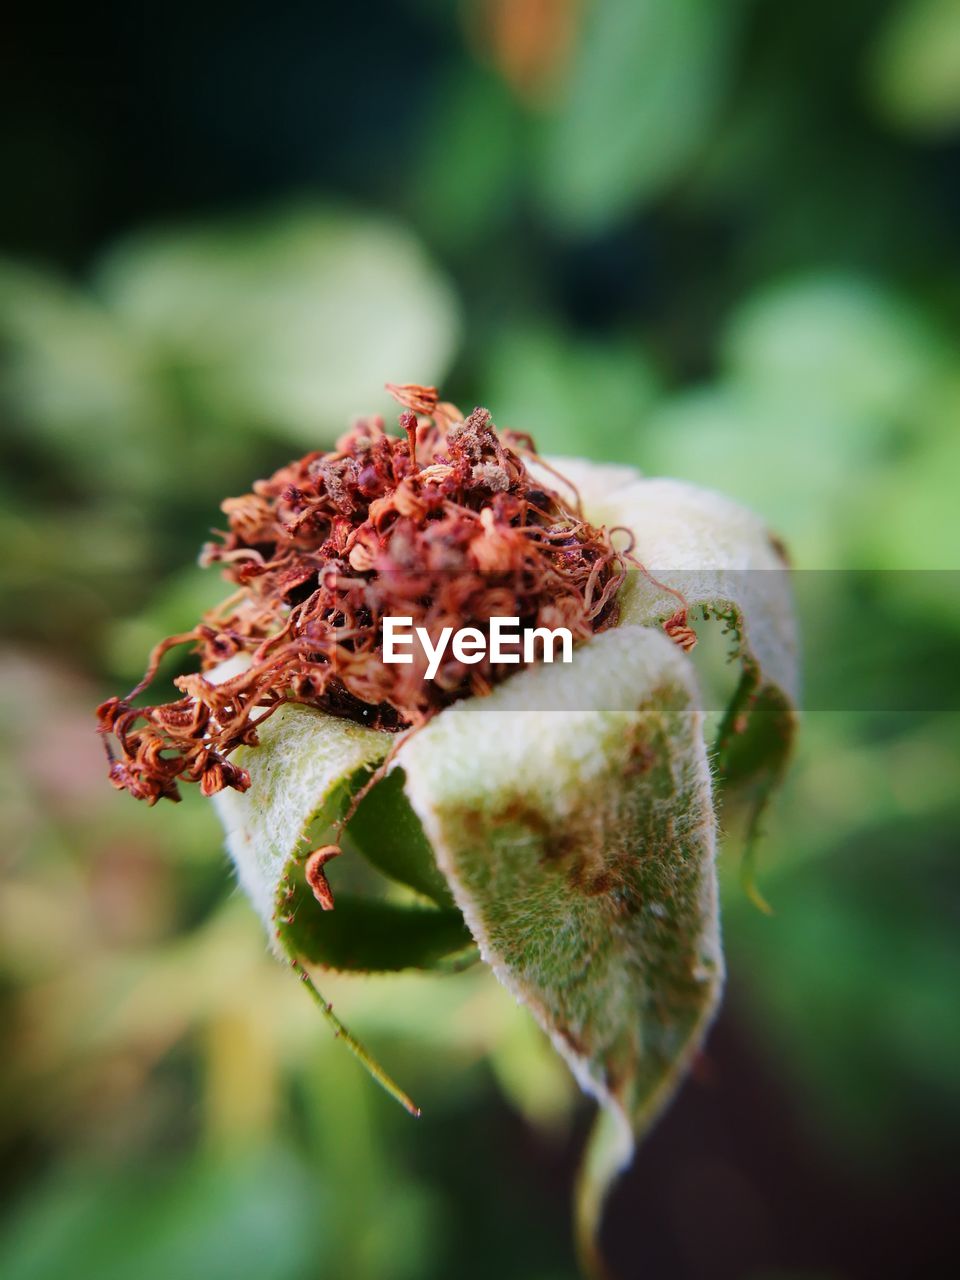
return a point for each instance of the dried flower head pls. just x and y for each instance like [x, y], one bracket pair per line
[576, 851]
[444, 524]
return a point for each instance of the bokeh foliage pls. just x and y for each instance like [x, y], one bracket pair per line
[716, 241]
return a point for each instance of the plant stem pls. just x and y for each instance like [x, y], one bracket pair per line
[354, 1045]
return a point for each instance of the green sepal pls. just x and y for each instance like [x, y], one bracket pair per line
[390, 836]
[369, 935]
[724, 561]
[301, 776]
[571, 812]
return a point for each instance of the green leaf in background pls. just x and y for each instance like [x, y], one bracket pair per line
[219, 1219]
[913, 70]
[70, 373]
[838, 342]
[469, 160]
[131, 410]
[918, 497]
[288, 321]
[642, 98]
[824, 378]
[868, 975]
[567, 392]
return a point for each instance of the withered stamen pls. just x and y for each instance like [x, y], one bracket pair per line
[445, 526]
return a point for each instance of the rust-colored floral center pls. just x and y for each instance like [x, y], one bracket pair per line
[444, 525]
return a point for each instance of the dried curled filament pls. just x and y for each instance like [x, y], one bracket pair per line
[316, 877]
[677, 625]
[443, 525]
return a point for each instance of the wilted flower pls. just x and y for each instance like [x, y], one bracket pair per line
[559, 818]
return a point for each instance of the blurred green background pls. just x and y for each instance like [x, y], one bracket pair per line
[717, 240]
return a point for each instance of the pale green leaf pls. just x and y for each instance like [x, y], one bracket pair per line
[302, 760]
[842, 346]
[715, 553]
[301, 774]
[291, 320]
[723, 561]
[720, 557]
[303, 769]
[571, 814]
